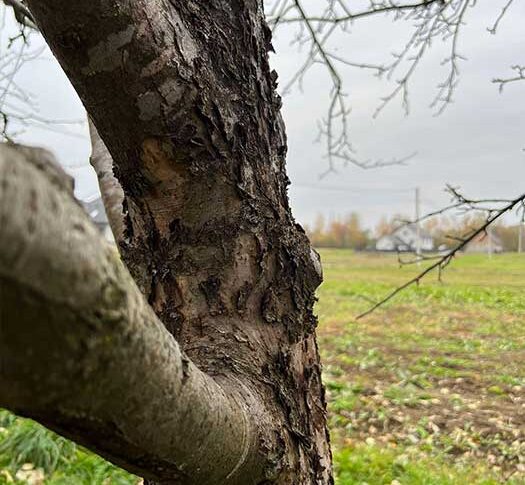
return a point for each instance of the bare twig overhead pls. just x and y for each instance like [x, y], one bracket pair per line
[495, 25]
[492, 214]
[334, 128]
[331, 17]
[18, 107]
[520, 76]
[430, 21]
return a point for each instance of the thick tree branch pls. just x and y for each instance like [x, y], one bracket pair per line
[112, 193]
[22, 13]
[82, 352]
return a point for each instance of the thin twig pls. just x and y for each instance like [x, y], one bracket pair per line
[520, 70]
[495, 26]
[360, 15]
[447, 258]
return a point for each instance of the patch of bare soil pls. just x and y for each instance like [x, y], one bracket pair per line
[458, 417]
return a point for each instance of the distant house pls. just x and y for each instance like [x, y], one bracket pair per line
[485, 243]
[97, 212]
[404, 239]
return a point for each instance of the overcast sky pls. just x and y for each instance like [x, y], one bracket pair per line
[476, 143]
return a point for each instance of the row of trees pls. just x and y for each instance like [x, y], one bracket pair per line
[349, 232]
[346, 232]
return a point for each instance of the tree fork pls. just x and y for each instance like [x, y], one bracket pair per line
[182, 96]
[83, 352]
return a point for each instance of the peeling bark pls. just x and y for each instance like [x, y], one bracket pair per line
[184, 99]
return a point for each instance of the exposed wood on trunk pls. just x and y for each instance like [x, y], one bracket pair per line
[184, 99]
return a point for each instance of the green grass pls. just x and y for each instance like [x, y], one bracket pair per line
[435, 378]
[30, 453]
[429, 390]
[374, 465]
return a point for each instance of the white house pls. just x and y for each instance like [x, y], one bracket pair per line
[404, 239]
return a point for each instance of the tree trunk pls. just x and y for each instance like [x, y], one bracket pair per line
[183, 97]
[83, 352]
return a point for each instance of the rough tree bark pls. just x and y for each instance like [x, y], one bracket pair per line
[183, 97]
[84, 353]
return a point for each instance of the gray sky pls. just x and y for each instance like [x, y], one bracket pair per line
[476, 144]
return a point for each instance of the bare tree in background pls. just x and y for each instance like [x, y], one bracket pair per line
[15, 103]
[429, 22]
[319, 25]
[19, 108]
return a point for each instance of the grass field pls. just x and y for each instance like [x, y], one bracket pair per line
[429, 390]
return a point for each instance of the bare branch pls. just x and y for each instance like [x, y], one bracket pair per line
[494, 28]
[18, 107]
[334, 129]
[460, 203]
[520, 76]
[112, 193]
[444, 21]
[22, 13]
[375, 10]
[431, 20]
[443, 261]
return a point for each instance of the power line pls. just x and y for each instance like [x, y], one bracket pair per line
[340, 188]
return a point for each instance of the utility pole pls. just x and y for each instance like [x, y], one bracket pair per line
[489, 235]
[520, 234]
[418, 228]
